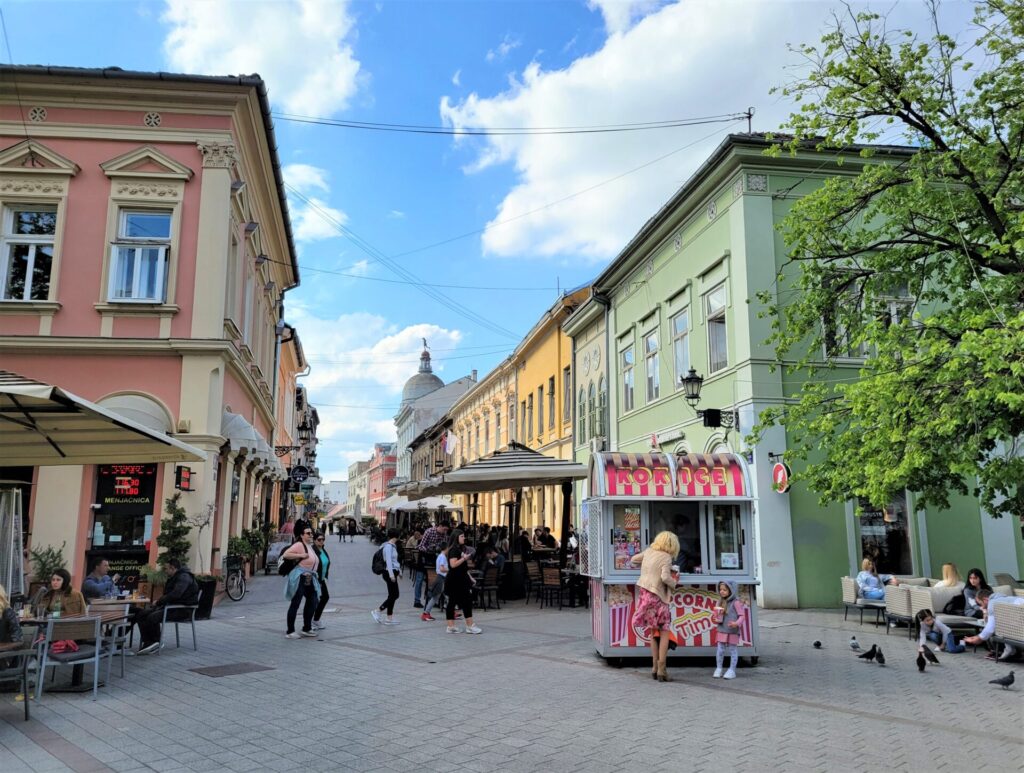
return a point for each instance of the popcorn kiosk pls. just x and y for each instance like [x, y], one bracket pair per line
[705, 499]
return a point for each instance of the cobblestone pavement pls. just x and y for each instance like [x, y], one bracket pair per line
[529, 694]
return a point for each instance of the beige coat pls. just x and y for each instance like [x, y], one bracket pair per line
[655, 572]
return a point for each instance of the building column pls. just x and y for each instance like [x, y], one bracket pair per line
[213, 239]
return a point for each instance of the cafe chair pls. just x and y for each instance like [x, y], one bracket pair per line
[19, 665]
[189, 619]
[487, 588]
[533, 580]
[80, 629]
[116, 638]
[551, 586]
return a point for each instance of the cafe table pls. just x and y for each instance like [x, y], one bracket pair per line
[77, 671]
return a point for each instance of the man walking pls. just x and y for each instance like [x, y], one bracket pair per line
[434, 540]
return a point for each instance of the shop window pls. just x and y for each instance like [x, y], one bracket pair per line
[139, 256]
[885, 536]
[27, 254]
[681, 346]
[653, 366]
[728, 534]
[627, 379]
[718, 349]
[683, 520]
[625, 535]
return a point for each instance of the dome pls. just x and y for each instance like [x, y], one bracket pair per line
[422, 383]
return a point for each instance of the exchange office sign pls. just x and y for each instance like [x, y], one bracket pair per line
[126, 489]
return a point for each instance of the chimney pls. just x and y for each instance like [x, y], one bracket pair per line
[474, 374]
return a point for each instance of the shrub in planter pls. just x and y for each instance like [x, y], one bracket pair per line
[46, 561]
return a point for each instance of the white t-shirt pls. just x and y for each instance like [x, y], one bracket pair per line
[442, 564]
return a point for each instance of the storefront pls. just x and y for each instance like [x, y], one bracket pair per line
[705, 499]
[123, 512]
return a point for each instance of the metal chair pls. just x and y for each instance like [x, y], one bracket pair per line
[15, 665]
[551, 585]
[191, 620]
[116, 637]
[74, 628]
[533, 580]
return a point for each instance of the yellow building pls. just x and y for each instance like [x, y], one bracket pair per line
[544, 387]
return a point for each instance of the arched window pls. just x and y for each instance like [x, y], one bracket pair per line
[581, 417]
[602, 408]
[592, 410]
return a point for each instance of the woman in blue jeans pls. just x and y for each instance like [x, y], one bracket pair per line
[870, 583]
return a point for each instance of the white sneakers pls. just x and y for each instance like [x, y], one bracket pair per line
[730, 674]
[453, 629]
[376, 615]
[473, 629]
[389, 622]
[318, 625]
[308, 634]
[717, 674]
[292, 635]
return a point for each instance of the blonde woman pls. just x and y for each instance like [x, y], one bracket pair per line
[950, 577]
[657, 581]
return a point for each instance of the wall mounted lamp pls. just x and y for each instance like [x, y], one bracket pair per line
[237, 186]
[261, 259]
[251, 227]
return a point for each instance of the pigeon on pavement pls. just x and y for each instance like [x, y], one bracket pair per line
[921, 662]
[931, 656]
[870, 654]
[1004, 681]
[880, 658]
[817, 645]
[854, 644]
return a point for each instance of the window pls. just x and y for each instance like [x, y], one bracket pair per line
[566, 395]
[139, 256]
[683, 520]
[837, 337]
[476, 444]
[551, 403]
[718, 352]
[681, 345]
[627, 379]
[540, 411]
[511, 419]
[497, 427]
[487, 434]
[592, 410]
[885, 536]
[602, 408]
[625, 535]
[27, 255]
[529, 417]
[728, 535]
[522, 420]
[652, 364]
[581, 416]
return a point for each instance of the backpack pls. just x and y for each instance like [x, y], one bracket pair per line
[955, 606]
[285, 565]
[379, 565]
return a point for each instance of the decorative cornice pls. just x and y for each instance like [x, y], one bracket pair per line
[29, 307]
[137, 309]
[34, 185]
[149, 190]
[218, 155]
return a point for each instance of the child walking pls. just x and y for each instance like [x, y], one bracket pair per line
[730, 616]
[437, 589]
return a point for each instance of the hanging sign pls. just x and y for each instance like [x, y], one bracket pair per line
[299, 473]
[780, 477]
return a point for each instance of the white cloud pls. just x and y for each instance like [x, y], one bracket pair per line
[457, 78]
[619, 15]
[360, 268]
[504, 48]
[302, 48]
[311, 217]
[687, 59]
[396, 214]
[359, 363]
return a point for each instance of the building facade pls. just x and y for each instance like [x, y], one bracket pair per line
[358, 486]
[381, 470]
[146, 249]
[683, 293]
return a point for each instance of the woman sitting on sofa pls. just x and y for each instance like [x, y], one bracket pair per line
[870, 583]
[975, 583]
[950, 577]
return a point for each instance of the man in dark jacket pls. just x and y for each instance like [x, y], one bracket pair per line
[181, 588]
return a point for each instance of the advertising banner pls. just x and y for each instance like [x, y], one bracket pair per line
[692, 610]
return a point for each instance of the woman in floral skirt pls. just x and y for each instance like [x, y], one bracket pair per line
[657, 581]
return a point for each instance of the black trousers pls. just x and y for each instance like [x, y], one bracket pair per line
[325, 596]
[304, 591]
[389, 603]
[459, 596]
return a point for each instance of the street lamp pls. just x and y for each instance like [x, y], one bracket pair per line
[713, 417]
[304, 431]
[691, 387]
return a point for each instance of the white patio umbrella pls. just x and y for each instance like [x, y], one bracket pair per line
[427, 503]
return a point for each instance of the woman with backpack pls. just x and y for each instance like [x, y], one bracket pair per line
[303, 582]
[391, 571]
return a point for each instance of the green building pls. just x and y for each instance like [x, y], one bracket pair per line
[682, 294]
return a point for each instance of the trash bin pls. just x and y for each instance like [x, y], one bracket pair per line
[207, 592]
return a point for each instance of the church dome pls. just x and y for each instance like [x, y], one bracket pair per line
[422, 383]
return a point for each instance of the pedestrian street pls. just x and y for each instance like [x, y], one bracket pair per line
[528, 694]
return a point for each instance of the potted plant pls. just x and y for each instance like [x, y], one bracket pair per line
[152, 582]
[45, 561]
[237, 546]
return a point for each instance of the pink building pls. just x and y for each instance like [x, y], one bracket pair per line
[144, 255]
[381, 470]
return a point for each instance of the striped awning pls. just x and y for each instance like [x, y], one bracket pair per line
[710, 475]
[657, 475]
[637, 475]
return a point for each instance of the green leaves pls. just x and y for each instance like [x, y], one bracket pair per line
[902, 302]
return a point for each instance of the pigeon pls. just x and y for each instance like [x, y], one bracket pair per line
[931, 656]
[870, 654]
[1004, 681]
[880, 658]
[921, 662]
[817, 645]
[854, 644]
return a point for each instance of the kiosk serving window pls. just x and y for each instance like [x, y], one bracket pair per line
[625, 535]
[725, 523]
[683, 519]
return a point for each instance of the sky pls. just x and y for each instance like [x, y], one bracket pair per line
[463, 240]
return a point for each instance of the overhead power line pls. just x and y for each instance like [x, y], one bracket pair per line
[474, 131]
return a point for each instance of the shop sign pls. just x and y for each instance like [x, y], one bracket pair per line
[710, 475]
[780, 477]
[126, 489]
[638, 475]
[299, 473]
[691, 609]
[299, 499]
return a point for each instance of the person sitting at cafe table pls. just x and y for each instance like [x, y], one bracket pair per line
[524, 545]
[98, 583]
[537, 540]
[181, 588]
[61, 598]
[11, 637]
[548, 539]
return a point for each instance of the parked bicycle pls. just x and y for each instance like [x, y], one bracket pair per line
[234, 579]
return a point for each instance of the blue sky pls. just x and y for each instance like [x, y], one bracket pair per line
[542, 212]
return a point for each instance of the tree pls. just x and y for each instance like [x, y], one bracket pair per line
[916, 263]
[174, 531]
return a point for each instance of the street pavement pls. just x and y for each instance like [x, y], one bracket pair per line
[529, 694]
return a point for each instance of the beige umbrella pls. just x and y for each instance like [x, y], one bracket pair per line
[42, 425]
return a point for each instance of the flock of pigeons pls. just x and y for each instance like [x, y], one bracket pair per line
[924, 657]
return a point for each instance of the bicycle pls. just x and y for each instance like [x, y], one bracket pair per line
[234, 580]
